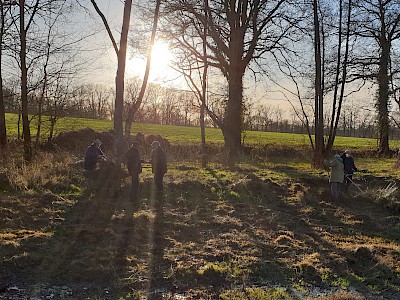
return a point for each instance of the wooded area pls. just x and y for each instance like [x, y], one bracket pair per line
[218, 46]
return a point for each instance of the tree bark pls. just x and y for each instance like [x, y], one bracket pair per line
[3, 133]
[24, 85]
[204, 89]
[318, 97]
[383, 98]
[233, 116]
[135, 106]
[334, 125]
[120, 83]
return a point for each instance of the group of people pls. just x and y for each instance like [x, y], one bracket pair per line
[342, 167]
[341, 173]
[133, 162]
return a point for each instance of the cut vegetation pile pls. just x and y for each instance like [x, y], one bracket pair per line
[265, 230]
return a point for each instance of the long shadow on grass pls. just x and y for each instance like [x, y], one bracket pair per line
[205, 240]
[157, 243]
[269, 239]
[89, 250]
[323, 225]
[210, 246]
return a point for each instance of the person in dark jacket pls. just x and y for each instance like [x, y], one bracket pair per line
[93, 155]
[349, 169]
[158, 164]
[134, 165]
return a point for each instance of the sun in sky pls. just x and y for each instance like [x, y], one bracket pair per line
[160, 63]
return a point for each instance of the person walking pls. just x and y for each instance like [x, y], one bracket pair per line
[336, 175]
[349, 169]
[158, 164]
[134, 165]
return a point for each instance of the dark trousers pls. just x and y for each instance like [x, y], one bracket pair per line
[133, 193]
[158, 180]
[91, 176]
[335, 190]
[347, 181]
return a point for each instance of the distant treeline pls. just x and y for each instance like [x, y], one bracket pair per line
[176, 107]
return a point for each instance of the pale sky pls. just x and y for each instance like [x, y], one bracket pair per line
[106, 60]
[105, 63]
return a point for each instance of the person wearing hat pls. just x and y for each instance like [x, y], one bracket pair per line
[158, 164]
[349, 169]
[93, 155]
[336, 175]
[134, 164]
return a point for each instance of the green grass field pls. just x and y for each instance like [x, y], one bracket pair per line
[185, 134]
[266, 229]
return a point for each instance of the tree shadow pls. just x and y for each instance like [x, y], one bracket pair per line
[194, 239]
[156, 273]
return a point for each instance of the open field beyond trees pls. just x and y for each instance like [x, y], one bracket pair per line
[187, 134]
[266, 229]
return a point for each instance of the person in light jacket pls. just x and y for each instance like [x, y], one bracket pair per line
[336, 176]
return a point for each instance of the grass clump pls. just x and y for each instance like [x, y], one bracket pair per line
[48, 171]
[256, 294]
[341, 296]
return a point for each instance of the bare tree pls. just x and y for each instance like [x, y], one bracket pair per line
[4, 25]
[27, 25]
[134, 100]
[329, 72]
[378, 27]
[23, 29]
[57, 101]
[135, 105]
[194, 67]
[48, 51]
[120, 76]
[239, 32]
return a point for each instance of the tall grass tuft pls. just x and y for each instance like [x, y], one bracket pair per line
[46, 171]
[388, 196]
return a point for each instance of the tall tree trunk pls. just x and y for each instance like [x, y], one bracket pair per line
[233, 117]
[128, 123]
[139, 100]
[132, 109]
[204, 90]
[120, 82]
[383, 98]
[234, 109]
[335, 121]
[42, 93]
[318, 97]
[24, 85]
[3, 133]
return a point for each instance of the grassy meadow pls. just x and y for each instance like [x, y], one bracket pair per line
[276, 144]
[264, 230]
[186, 134]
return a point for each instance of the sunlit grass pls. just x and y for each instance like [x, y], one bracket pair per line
[187, 134]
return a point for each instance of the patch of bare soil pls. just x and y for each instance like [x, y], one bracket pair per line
[204, 236]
